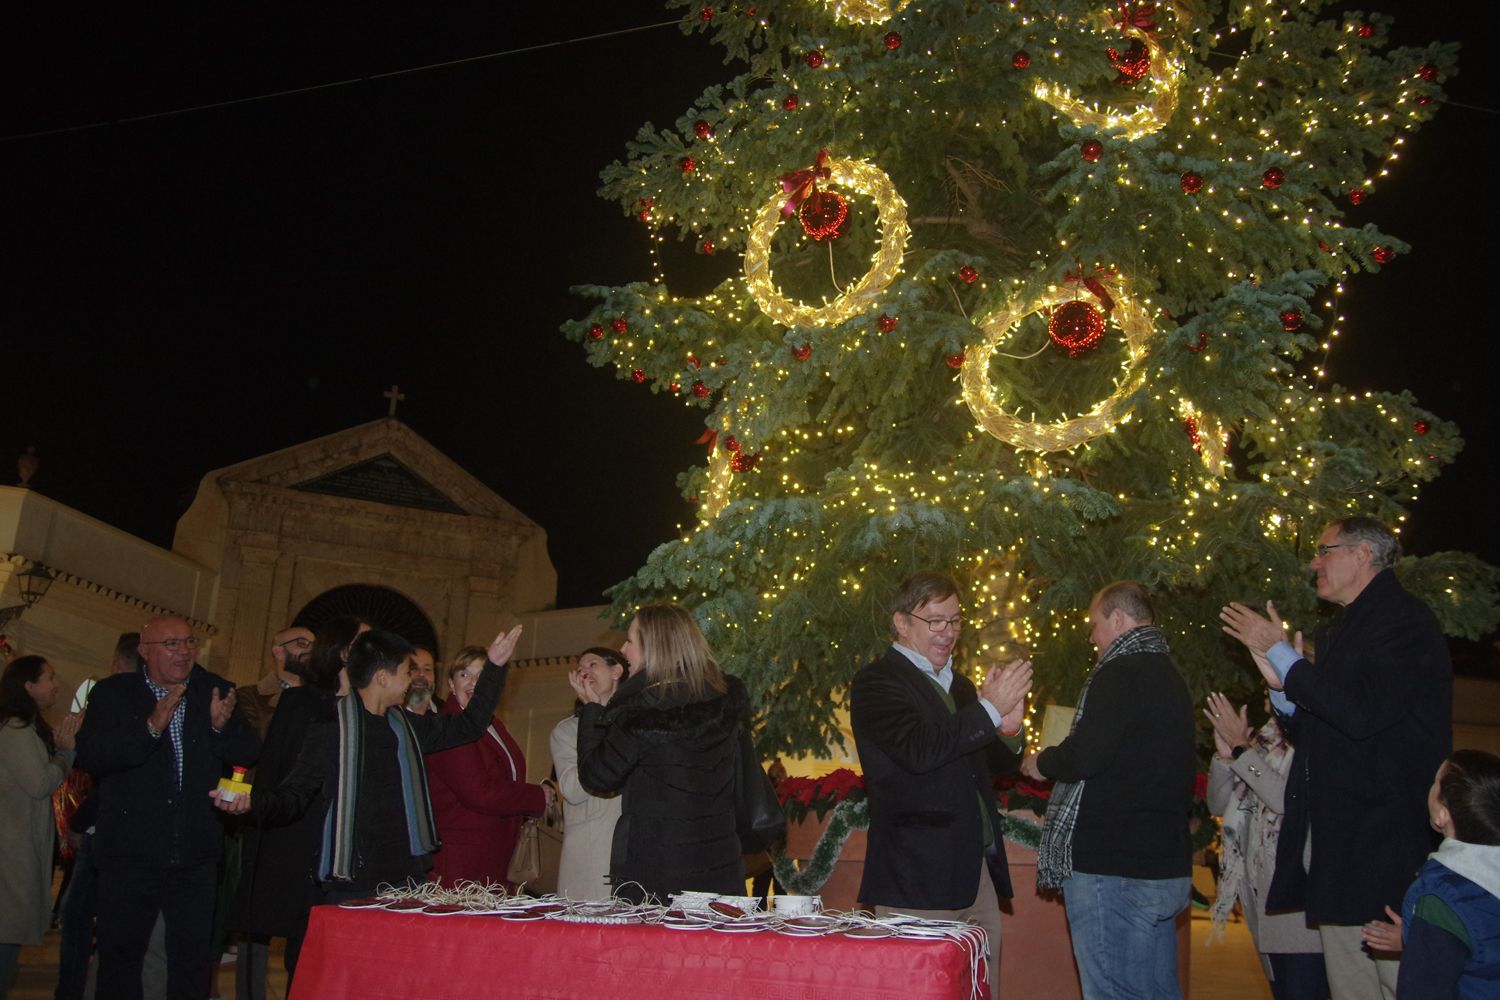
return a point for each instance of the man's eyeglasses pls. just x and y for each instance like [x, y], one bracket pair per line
[1323, 550]
[299, 642]
[191, 642]
[938, 624]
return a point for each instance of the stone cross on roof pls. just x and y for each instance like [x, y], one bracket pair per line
[395, 395]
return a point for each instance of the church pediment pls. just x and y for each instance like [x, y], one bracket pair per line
[382, 479]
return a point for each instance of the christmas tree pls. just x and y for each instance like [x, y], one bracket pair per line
[1041, 299]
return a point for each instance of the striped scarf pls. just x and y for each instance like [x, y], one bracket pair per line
[337, 862]
[1054, 855]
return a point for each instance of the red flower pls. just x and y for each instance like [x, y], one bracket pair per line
[1200, 786]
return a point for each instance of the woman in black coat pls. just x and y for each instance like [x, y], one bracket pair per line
[667, 739]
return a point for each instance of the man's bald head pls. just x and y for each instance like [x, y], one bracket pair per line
[169, 648]
[291, 648]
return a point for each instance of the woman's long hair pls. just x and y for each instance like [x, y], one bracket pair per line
[16, 702]
[675, 651]
[330, 642]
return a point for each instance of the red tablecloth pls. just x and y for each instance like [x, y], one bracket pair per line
[358, 953]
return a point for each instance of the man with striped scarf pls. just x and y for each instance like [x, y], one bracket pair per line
[1116, 835]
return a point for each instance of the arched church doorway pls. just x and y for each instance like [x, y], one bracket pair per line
[382, 607]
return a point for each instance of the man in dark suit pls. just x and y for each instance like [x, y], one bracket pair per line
[157, 741]
[929, 743]
[1371, 720]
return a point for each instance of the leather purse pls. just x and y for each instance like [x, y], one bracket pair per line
[526, 859]
[759, 820]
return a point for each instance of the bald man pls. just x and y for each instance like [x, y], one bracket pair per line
[157, 741]
[291, 649]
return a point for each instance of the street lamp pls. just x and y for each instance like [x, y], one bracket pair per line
[33, 585]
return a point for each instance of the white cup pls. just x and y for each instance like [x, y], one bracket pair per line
[797, 906]
[692, 900]
[747, 904]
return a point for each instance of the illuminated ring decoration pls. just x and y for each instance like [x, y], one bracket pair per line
[1133, 319]
[867, 11]
[1165, 77]
[861, 178]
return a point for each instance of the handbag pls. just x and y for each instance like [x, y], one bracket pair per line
[526, 860]
[758, 818]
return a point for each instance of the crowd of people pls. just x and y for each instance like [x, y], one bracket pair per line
[364, 777]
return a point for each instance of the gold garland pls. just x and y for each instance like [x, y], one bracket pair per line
[867, 11]
[1165, 77]
[861, 178]
[1133, 319]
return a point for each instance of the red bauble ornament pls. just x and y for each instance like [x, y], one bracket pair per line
[1421, 427]
[1356, 196]
[1424, 100]
[646, 205]
[700, 390]
[1383, 255]
[892, 40]
[1020, 60]
[1132, 64]
[639, 376]
[1190, 427]
[619, 325]
[1428, 72]
[703, 129]
[1091, 150]
[1366, 30]
[596, 332]
[1076, 328]
[823, 214]
[742, 462]
[706, 14]
[1191, 182]
[802, 353]
[968, 275]
[1273, 177]
[692, 359]
[687, 164]
[1201, 345]
[707, 246]
[888, 323]
[955, 361]
[1324, 247]
[790, 104]
[1291, 320]
[731, 443]
[815, 59]
[674, 385]
[644, 215]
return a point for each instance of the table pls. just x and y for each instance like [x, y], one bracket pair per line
[373, 954]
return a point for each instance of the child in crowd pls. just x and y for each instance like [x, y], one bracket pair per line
[1449, 927]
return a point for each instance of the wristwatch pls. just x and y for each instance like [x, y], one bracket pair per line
[1235, 753]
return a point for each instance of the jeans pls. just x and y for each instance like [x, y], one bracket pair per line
[1125, 934]
[76, 915]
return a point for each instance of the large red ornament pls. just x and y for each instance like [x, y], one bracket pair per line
[1428, 72]
[619, 325]
[892, 40]
[790, 104]
[802, 353]
[1191, 182]
[888, 323]
[731, 443]
[823, 214]
[742, 462]
[968, 275]
[1076, 327]
[687, 164]
[1091, 150]
[639, 375]
[1291, 320]
[1132, 64]
[1383, 255]
[1421, 427]
[1356, 196]
[596, 332]
[815, 59]
[700, 390]
[1273, 177]
[703, 129]
[955, 361]
[1020, 60]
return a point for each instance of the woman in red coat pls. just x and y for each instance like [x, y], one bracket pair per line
[480, 797]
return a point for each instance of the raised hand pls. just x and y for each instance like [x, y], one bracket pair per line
[1006, 687]
[1258, 633]
[1231, 728]
[583, 687]
[504, 645]
[65, 736]
[161, 716]
[220, 710]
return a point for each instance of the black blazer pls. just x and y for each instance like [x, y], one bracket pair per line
[926, 770]
[1374, 720]
[144, 818]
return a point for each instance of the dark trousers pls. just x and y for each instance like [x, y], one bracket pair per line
[1298, 976]
[130, 897]
[79, 901]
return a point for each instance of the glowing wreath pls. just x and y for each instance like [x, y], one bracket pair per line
[1134, 322]
[867, 11]
[1165, 75]
[859, 177]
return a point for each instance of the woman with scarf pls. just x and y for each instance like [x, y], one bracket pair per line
[480, 796]
[1246, 786]
[668, 739]
[34, 760]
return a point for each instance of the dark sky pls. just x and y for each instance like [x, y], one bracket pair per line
[187, 292]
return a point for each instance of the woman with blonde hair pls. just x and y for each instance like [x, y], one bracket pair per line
[668, 739]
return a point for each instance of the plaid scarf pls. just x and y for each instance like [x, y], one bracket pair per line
[337, 862]
[1054, 855]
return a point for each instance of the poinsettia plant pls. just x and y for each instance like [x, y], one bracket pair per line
[800, 796]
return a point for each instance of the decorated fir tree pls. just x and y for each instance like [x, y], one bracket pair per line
[1040, 298]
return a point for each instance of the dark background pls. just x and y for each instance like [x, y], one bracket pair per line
[190, 291]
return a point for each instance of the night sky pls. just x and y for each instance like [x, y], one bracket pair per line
[190, 291]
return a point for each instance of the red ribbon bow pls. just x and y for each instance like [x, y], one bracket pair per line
[709, 437]
[799, 184]
[1094, 285]
[1141, 16]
